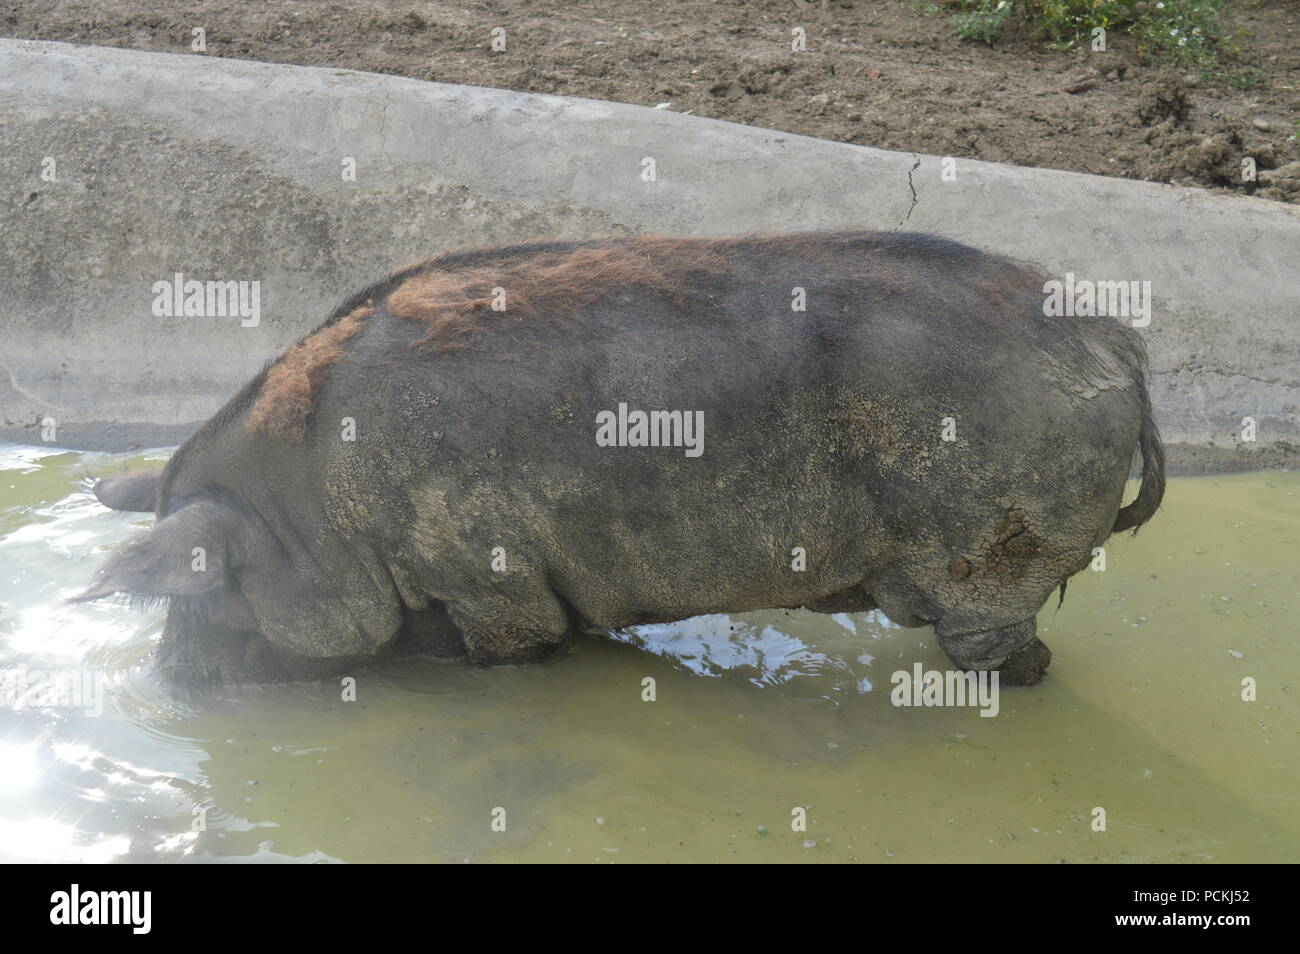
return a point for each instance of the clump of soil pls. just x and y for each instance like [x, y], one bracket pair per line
[1166, 98]
[876, 72]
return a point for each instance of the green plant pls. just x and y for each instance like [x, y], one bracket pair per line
[980, 19]
[1188, 33]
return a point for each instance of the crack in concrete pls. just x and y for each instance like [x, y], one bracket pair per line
[1201, 369]
[383, 128]
[916, 165]
[13, 383]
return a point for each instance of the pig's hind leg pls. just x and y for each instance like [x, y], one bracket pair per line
[1015, 651]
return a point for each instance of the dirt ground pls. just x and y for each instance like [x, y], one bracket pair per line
[882, 73]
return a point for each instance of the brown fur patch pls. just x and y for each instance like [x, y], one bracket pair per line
[455, 300]
[285, 402]
[452, 294]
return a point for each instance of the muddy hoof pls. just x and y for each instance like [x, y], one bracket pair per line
[1026, 666]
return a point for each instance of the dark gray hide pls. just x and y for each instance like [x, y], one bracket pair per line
[823, 433]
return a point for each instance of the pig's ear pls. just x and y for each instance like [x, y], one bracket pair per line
[188, 554]
[135, 492]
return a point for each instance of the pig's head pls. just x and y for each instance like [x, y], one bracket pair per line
[240, 606]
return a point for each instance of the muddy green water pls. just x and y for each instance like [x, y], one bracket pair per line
[753, 716]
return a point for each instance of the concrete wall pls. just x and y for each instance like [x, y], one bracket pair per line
[225, 169]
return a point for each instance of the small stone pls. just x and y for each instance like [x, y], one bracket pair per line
[1263, 125]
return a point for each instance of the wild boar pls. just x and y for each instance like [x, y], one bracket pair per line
[494, 449]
